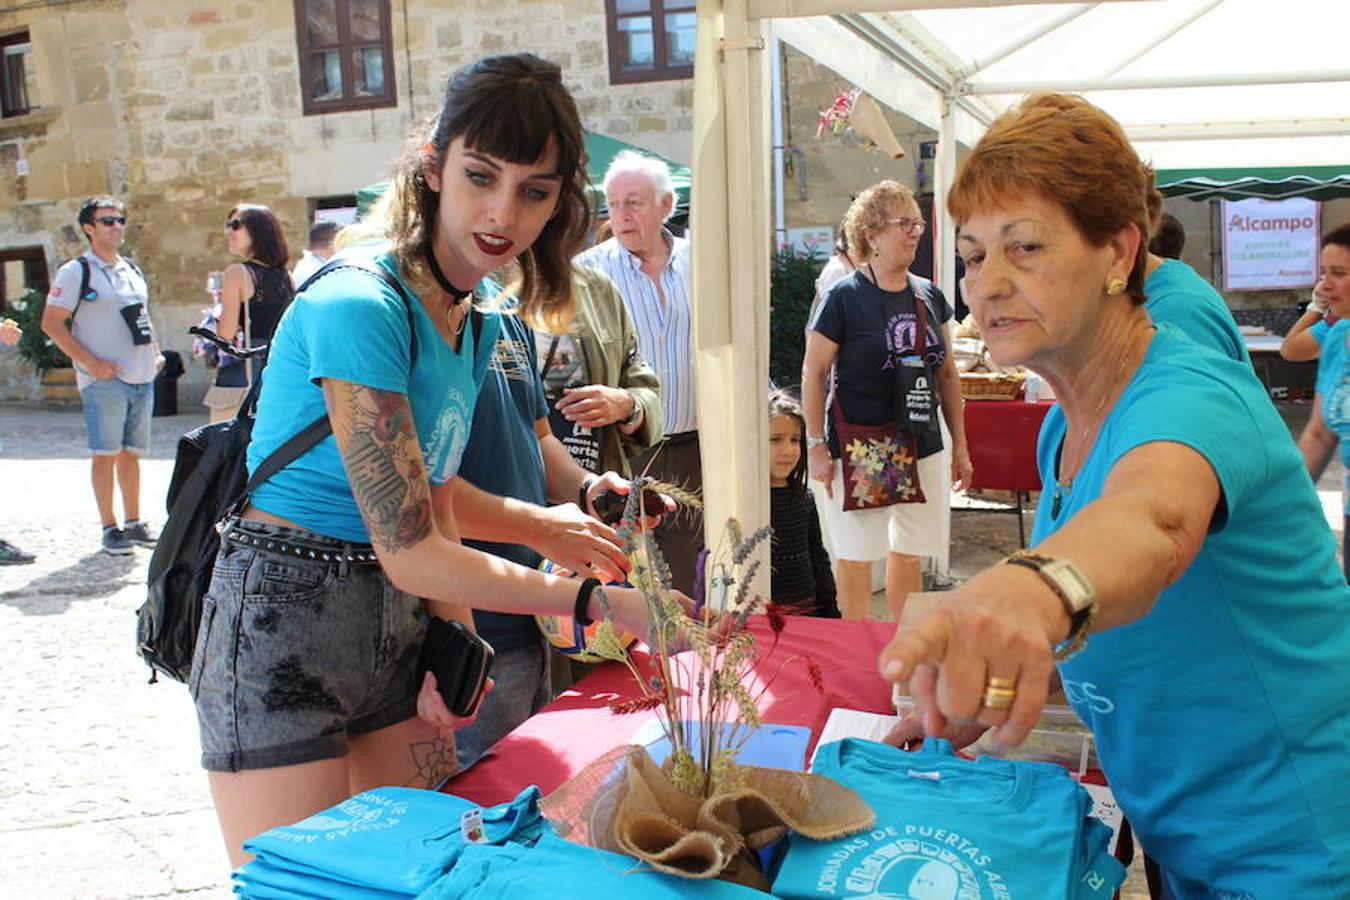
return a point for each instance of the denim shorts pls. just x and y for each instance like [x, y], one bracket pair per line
[296, 655]
[117, 416]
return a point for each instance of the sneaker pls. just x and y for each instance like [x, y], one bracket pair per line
[140, 533]
[115, 541]
[13, 556]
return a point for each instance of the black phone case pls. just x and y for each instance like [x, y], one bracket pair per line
[460, 660]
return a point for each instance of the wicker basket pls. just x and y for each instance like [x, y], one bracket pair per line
[990, 386]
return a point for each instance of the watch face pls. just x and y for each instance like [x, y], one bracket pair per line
[1076, 590]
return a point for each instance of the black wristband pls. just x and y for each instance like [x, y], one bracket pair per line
[584, 600]
[585, 489]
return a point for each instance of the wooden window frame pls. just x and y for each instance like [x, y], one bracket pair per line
[10, 40]
[24, 255]
[660, 70]
[344, 46]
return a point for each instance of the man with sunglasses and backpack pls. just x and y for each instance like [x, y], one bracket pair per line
[97, 313]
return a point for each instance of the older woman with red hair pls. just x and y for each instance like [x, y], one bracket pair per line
[1183, 586]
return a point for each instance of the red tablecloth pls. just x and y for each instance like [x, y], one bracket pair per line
[1001, 435]
[578, 727]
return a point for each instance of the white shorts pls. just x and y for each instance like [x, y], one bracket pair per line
[916, 529]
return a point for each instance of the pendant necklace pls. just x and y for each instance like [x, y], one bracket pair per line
[457, 295]
[1064, 486]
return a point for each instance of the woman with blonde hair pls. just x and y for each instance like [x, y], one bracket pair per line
[1182, 577]
[874, 328]
[306, 676]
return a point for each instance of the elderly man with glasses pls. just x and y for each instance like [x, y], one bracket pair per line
[97, 313]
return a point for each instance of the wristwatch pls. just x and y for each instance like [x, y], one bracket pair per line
[1073, 590]
[813, 441]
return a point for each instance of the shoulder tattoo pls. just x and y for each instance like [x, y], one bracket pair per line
[384, 462]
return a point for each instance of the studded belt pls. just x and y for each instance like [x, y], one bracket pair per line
[351, 554]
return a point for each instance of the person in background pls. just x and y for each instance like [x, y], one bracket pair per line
[1182, 575]
[1169, 238]
[866, 328]
[253, 295]
[1300, 344]
[322, 234]
[838, 267]
[651, 267]
[1329, 423]
[1179, 296]
[514, 453]
[108, 334]
[604, 400]
[801, 582]
[10, 555]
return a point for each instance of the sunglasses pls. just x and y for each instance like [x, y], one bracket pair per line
[912, 226]
[235, 224]
[110, 221]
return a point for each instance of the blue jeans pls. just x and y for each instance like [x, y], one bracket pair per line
[520, 690]
[117, 416]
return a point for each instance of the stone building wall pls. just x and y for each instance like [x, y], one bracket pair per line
[184, 107]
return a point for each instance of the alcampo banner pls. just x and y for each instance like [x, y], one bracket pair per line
[1270, 244]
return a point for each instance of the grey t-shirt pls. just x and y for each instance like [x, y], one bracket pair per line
[99, 324]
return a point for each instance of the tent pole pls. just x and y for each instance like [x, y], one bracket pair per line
[944, 230]
[1082, 85]
[731, 233]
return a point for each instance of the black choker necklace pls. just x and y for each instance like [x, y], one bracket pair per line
[455, 293]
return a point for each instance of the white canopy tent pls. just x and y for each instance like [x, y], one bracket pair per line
[1196, 83]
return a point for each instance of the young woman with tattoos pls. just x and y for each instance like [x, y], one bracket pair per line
[306, 680]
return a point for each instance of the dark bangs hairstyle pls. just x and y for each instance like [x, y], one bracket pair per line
[781, 403]
[269, 241]
[510, 107]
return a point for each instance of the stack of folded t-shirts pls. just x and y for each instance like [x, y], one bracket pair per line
[386, 844]
[554, 867]
[949, 827]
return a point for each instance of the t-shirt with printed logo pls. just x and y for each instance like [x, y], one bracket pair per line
[99, 324]
[875, 329]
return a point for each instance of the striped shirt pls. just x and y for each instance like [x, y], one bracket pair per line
[665, 333]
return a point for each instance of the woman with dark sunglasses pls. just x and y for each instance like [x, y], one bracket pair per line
[253, 295]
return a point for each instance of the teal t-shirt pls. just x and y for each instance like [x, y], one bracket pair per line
[1179, 296]
[352, 326]
[1221, 716]
[1333, 386]
[946, 827]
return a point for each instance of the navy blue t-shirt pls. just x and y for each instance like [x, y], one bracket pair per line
[874, 329]
[503, 458]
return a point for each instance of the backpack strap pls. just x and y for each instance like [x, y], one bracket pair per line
[310, 436]
[84, 286]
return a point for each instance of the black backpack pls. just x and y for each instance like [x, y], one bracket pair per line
[209, 483]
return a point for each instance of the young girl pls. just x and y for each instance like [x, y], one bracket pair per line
[305, 679]
[802, 580]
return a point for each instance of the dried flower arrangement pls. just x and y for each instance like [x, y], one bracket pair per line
[702, 814]
[702, 696]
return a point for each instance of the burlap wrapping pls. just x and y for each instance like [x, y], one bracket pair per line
[625, 803]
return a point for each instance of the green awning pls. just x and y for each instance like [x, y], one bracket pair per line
[1313, 182]
[600, 151]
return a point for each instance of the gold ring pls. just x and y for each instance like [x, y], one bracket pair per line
[999, 698]
[1005, 684]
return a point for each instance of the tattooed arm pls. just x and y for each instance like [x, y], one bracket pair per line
[378, 444]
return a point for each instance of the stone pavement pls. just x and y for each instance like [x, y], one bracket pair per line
[101, 795]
